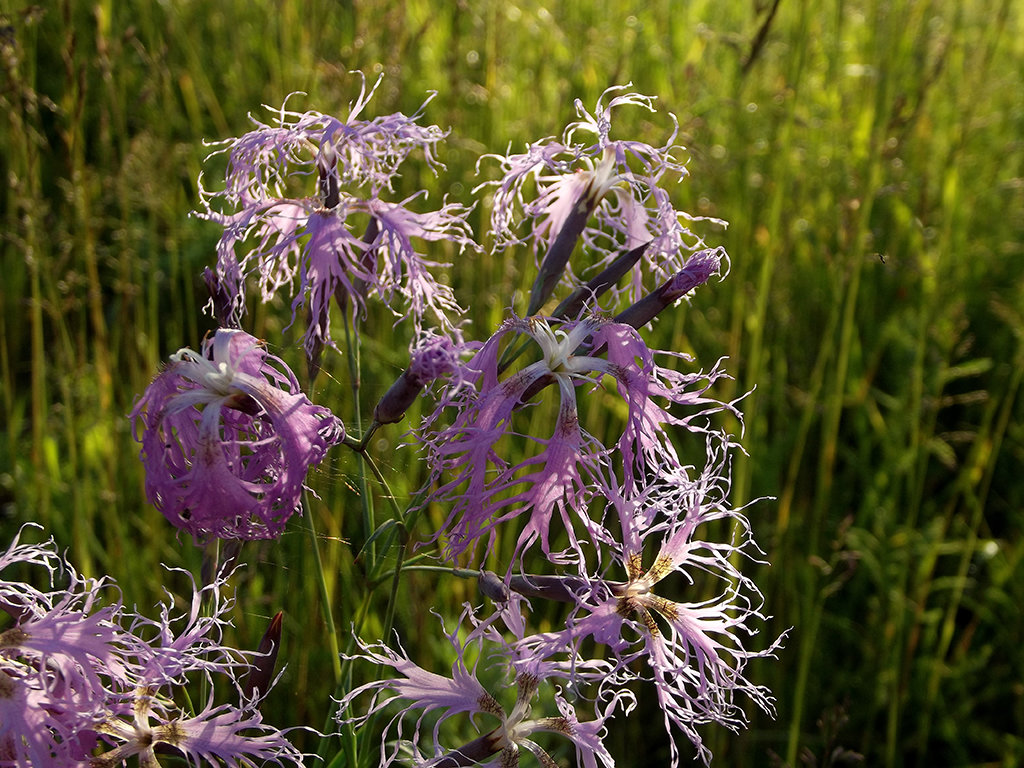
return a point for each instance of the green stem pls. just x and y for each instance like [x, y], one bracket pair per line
[352, 353]
[389, 621]
[325, 598]
[359, 446]
[462, 573]
[343, 684]
[396, 511]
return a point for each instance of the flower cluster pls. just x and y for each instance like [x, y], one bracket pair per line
[613, 510]
[346, 242]
[85, 681]
[569, 467]
[600, 495]
[611, 194]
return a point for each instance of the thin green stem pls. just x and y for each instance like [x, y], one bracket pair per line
[354, 366]
[411, 564]
[343, 684]
[389, 616]
[396, 511]
[359, 446]
[325, 597]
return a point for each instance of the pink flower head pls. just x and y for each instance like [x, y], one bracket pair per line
[80, 673]
[171, 649]
[694, 651]
[228, 438]
[512, 729]
[610, 193]
[570, 465]
[217, 735]
[61, 662]
[339, 241]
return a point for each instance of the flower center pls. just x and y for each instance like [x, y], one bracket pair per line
[558, 347]
[216, 377]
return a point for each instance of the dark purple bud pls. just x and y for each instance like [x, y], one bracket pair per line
[220, 299]
[476, 751]
[562, 589]
[327, 166]
[491, 585]
[396, 401]
[553, 265]
[257, 682]
[436, 357]
[699, 268]
[367, 262]
[598, 285]
[598, 182]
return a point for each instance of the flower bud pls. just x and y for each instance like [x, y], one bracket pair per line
[608, 277]
[396, 401]
[596, 184]
[697, 271]
[436, 357]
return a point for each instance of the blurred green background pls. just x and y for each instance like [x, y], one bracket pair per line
[869, 157]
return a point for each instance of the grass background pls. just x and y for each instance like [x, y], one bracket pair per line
[869, 157]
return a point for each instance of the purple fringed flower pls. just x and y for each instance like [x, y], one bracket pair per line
[609, 193]
[79, 674]
[570, 465]
[174, 647]
[61, 662]
[228, 438]
[218, 735]
[343, 242]
[443, 697]
[694, 651]
[20, 599]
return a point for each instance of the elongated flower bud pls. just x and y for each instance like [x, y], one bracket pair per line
[436, 357]
[490, 585]
[699, 268]
[595, 185]
[392, 406]
[478, 750]
[327, 168]
[562, 589]
[257, 683]
[608, 277]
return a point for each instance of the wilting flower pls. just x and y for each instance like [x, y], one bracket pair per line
[570, 465]
[340, 241]
[228, 438]
[463, 694]
[80, 673]
[610, 194]
[694, 650]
